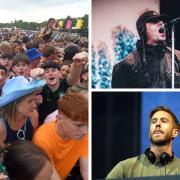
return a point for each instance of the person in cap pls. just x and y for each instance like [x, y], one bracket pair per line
[149, 66]
[18, 115]
[159, 159]
[65, 140]
[56, 87]
[81, 87]
[34, 56]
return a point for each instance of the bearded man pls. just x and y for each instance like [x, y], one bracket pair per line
[159, 159]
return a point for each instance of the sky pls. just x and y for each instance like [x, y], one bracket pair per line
[41, 10]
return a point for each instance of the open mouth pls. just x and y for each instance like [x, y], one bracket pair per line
[162, 34]
[22, 72]
[51, 79]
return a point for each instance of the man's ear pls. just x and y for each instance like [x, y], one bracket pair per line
[175, 132]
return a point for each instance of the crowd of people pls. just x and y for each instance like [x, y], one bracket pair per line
[43, 104]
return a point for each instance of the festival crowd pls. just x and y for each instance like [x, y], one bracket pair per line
[43, 104]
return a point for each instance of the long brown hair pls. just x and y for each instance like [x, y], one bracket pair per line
[24, 160]
[8, 113]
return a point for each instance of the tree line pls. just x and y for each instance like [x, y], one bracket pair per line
[36, 26]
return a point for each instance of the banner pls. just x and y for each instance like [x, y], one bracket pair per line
[79, 23]
[68, 24]
[61, 23]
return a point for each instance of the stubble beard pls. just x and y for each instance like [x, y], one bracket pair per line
[161, 142]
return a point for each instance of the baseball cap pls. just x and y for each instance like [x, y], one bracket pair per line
[149, 16]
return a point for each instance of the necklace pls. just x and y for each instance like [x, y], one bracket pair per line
[21, 133]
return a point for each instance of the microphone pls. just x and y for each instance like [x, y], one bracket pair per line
[168, 24]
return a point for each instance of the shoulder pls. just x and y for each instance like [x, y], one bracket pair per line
[44, 133]
[44, 138]
[131, 57]
[127, 61]
[176, 160]
[177, 52]
[46, 91]
[122, 168]
[128, 162]
[51, 117]
[45, 88]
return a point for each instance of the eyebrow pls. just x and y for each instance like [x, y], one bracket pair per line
[161, 118]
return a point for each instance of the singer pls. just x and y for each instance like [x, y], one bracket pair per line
[159, 159]
[149, 66]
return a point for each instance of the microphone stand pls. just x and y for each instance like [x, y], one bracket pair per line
[173, 53]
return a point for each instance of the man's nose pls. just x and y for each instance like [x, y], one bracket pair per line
[158, 123]
[20, 67]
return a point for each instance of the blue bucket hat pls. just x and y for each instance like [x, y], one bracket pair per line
[33, 53]
[18, 87]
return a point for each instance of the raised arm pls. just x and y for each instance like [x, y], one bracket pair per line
[79, 60]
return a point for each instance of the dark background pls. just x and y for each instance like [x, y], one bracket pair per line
[172, 8]
[115, 129]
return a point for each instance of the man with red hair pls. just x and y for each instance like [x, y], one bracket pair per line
[65, 140]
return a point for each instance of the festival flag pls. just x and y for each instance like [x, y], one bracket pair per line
[61, 23]
[68, 24]
[79, 23]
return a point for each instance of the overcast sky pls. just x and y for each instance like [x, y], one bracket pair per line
[41, 10]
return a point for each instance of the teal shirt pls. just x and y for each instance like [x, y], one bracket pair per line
[140, 166]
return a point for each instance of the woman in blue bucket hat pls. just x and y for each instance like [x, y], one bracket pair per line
[18, 116]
